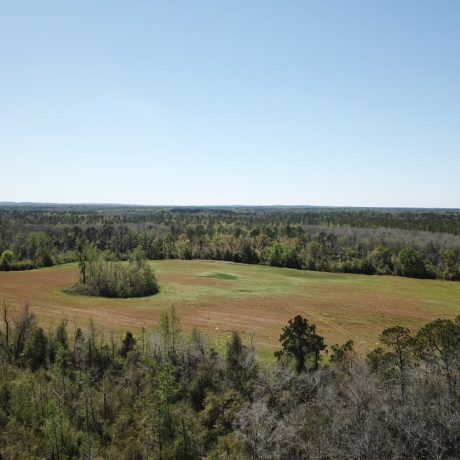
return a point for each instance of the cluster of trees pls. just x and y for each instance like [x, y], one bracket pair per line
[67, 393]
[278, 237]
[31, 250]
[99, 276]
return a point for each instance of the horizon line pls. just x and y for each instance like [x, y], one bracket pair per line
[107, 204]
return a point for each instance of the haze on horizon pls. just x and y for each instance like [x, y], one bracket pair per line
[210, 103]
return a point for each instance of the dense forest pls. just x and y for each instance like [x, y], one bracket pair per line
[67, 393]
[416, 243]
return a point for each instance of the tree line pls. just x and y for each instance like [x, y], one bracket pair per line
[71, 393]
[430, 220]
[278, 237]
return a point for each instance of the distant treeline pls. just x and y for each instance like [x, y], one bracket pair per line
[66, 393]
[424, 244]
[437, 221]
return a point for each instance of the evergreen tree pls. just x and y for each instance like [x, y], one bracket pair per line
[299, 340]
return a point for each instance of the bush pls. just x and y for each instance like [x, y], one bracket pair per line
[411, 263]
[46, 260]
[366, 267]
[5, 260]
[8, 262]
[22, 265]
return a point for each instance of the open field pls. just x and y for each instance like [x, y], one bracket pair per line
[217, 297]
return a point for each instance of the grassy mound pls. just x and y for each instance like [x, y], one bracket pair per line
[222, 276]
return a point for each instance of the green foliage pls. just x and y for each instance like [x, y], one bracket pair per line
[36, 349]
[127, 344]
[184, 444]
[299, 340]
[397, 338]
[340, 240]
[199, 387]
[58, 433]
[6, 260]
[449, 265]
[23, 326]
[241, 367]
[282, 254]
[438, 344]
[101, 399]
[34, 251]
[169, 330]
[101, 277]
[340, 352]
[161, 393]
[382, 259]
[411, 264]
[61, 335]
[400, 343]
[220, 411]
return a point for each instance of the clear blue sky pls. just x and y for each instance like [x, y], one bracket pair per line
[231, 102]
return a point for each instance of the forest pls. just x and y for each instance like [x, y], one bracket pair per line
[72, 391]
[68, 393]
[414, 243]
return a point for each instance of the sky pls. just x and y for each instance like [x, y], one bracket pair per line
[339, 103]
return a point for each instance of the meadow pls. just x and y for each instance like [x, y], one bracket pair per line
[218, 297]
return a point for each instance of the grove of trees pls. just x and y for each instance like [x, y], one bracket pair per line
[68, 393]
[99, 276]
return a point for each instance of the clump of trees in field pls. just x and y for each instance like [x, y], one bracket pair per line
[68, 393]
[99, 276]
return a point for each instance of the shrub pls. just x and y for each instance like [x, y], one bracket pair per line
[6, 259]
[411, 263]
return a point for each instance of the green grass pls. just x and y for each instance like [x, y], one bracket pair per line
[221, 276]
[218, 297]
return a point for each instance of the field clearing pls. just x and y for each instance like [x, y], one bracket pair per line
[218, 297]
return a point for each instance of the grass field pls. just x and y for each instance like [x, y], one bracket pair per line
[218, 297]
